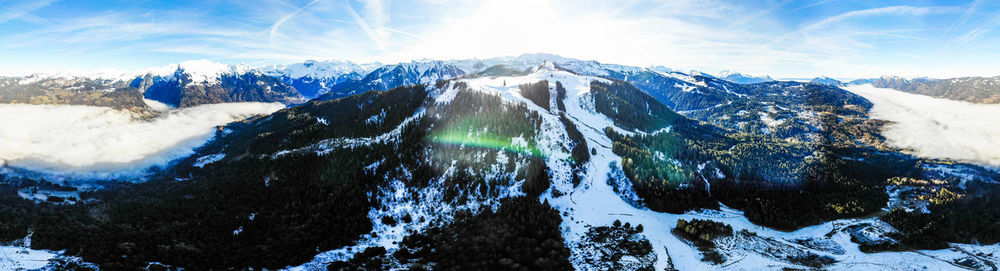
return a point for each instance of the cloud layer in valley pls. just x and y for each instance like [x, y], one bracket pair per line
[937, 128]
[97, 142]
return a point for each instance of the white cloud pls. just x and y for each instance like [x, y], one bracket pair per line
[22, 9]
[273, 30]
[99, 142]
[891, 10]
[937, 128]
[780, 38]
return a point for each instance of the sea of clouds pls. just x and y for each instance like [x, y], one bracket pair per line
[937, 128]
[100, 142]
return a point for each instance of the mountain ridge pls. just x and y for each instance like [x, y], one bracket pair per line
[984, 90]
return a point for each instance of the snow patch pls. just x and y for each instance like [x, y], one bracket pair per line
[208, 159]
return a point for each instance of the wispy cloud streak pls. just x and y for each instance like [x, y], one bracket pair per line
[22, 9]
[836, 38]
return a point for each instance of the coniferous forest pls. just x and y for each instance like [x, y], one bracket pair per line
[456, 176]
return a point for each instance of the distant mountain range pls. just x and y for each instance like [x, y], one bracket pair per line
[827, 81]
[203, 82]
[39, 89]
[740, 78]
[183, 85]
[314, 78]
[984, 90]
[499, 164]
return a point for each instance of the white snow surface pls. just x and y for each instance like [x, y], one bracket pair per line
[22, 257]
[41, 195]
[200, 71]
[208, 71]
[99, 142]
[208, 159]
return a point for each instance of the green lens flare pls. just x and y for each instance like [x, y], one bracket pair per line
[488, 141]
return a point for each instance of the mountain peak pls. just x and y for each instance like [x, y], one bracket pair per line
[741, 78]
[208, 72]
[545, 66]
[320, 69]
[825, 80]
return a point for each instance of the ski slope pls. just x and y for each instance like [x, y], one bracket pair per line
[595, 203]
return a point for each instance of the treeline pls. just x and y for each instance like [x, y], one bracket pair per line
[617, 247]
[522, 234]
[703, 234]
[246, 87]
[537, 93]
[778, 183]
[659, 175]
[959, 216]
[630, 108]
[246, 211]
[301, 126]
[482, 120]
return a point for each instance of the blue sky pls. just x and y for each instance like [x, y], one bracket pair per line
[838, 38]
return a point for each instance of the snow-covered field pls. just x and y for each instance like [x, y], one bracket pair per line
[88, 141]
[20, 257]
[937, 128]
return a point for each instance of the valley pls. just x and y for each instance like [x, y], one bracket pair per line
[79, 143]
[560, 165]
[454, 135]
[936, 127]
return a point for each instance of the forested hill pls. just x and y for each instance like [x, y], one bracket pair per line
[541, 169]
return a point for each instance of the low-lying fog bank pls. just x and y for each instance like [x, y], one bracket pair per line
[937, 128]
[100, 142]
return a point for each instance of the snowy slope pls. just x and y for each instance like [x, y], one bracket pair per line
[595, 203]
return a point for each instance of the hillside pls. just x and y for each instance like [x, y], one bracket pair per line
[985, 90]
[70, 91]
[408, 177]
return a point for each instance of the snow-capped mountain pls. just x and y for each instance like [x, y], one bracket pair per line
[862, 81]
[741, 78]
[186, 84]
[395, 75]
[314, 78]
[204, 82]
[827, 81]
